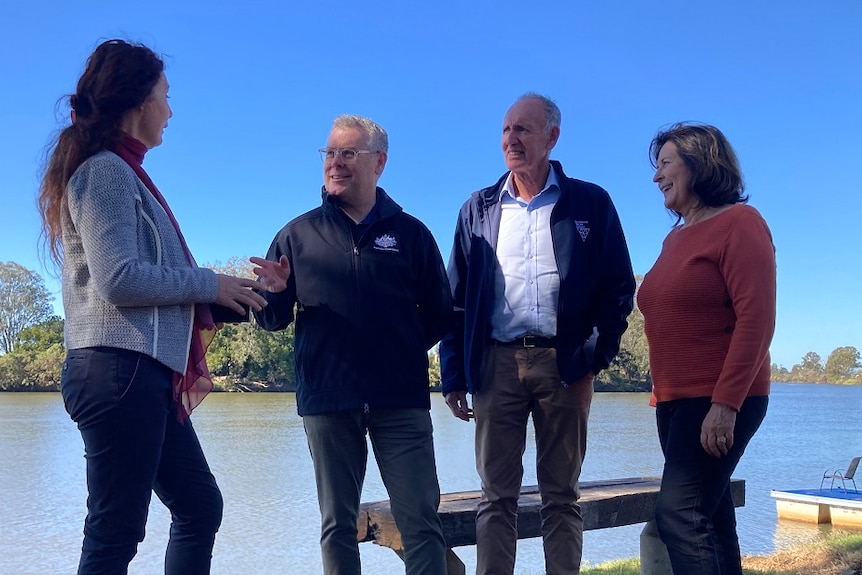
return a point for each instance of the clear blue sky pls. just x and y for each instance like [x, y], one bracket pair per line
[255, 85]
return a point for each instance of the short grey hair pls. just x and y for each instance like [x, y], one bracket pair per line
[379, 139]
[552, 111]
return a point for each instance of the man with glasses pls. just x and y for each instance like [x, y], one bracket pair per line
[541, 272]
[367, 287]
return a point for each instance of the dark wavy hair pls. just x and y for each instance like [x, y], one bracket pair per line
[716, 179]
[119, 77]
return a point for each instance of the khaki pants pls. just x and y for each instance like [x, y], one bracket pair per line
[518, 382]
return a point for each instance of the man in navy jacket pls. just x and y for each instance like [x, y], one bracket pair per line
[370, 295]
[541, 276]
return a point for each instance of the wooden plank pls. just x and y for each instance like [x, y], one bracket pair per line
[604, 504]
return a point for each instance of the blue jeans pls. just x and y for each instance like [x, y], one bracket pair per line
[134, 445]
[403, 445]
[695, 515]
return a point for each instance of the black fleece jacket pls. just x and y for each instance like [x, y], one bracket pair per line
[366, 311]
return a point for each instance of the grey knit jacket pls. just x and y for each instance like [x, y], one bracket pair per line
[126, 280]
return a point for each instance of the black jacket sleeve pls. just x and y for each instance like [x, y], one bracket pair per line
[615, 292]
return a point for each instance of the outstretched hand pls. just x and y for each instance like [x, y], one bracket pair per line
[273, 275]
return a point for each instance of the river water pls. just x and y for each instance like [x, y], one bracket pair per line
[256, 448]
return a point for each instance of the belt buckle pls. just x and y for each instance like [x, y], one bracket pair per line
[529, 341]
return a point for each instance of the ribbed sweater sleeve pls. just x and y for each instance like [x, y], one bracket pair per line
[709, 309]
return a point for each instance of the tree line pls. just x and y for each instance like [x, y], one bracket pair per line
[244, 357]
[842, 366]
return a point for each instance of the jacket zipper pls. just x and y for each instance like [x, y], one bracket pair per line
[366, 409]
[357, 275]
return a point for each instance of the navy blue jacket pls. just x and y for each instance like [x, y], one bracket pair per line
[596, 282]
[367, 312]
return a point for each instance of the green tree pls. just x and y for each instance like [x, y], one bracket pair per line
[13, 371]
[229, 352]
[234, 266]
[434, 377]
[811, 361]
[272, 357]
[45, 368]
[42, 336]
[779, 373]
[246, 354]
[810, 370]
[36, 362]
[24, 301]
[629, 370]
[841, 365]
[233, 349]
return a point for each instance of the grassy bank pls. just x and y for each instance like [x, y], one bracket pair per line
[840, 554]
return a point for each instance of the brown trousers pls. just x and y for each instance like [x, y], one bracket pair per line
[518, 382]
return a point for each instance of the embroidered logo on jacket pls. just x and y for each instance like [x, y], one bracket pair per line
[386, 243]
[583, 228]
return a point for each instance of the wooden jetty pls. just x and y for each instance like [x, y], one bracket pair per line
[604, 504]
[840, 507]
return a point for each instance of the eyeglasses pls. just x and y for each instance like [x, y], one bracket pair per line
[348, 155]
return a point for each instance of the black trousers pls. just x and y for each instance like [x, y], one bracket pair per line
[134, 446]
[695, 515]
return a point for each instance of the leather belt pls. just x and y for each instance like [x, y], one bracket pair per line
[530, 341]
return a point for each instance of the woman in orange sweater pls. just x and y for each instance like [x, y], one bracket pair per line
[709, 315]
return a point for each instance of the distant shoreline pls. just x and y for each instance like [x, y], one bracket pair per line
[288, 387]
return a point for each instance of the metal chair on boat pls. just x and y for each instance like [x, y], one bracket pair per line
[843, 477]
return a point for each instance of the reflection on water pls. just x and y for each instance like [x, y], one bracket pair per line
[256, 447]
[788, 533]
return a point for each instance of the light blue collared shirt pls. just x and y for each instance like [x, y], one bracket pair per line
[527, 281]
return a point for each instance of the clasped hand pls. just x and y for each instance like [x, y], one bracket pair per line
[238, 293]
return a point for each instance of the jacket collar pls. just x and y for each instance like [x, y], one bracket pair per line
[385, 206]
[491, 195]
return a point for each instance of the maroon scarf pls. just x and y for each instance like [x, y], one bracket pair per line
[190, 387]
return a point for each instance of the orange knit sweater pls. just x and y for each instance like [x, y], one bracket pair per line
[709, 309]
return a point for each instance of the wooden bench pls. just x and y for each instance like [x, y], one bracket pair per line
[604, 504]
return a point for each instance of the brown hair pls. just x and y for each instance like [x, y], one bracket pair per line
[716, 179]
[119, 76]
